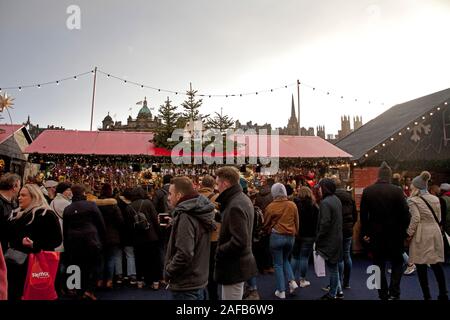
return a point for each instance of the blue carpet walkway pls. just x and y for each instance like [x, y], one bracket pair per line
[410, 288]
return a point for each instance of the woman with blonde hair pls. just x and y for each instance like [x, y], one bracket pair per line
[32, 227]
[424, 233]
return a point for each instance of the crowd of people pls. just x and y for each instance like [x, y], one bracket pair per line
[209, 238]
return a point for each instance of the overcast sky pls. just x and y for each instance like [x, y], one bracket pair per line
[386, 51]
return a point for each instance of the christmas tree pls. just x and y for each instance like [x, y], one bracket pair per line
[220, 122]
[170, 121]
[191, 107]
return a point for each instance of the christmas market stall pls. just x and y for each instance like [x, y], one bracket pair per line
[95, 157]
[411, 137]
[13, 141]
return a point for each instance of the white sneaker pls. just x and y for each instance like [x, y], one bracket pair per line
[280, 294]
[292, 286]
[410, 270]
[304, 283]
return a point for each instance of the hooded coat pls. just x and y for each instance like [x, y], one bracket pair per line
[187, 256]
[329, 236]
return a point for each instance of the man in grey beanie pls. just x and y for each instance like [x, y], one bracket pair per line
[385, 217]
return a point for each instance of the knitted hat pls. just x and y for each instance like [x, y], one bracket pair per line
[385, 172]
[421, 181]
[445, 187]
[278, 190]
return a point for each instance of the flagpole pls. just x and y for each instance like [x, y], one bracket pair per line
[298, 107]
[93, 96]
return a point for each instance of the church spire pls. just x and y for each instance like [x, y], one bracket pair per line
[293, 109]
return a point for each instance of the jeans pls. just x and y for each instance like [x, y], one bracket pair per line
[233, 291]
[335, 283]
[131, 262]
[281, 248]
[113, 262]
[345, 267]
[252, 284]
[300, 260]
[198, 294]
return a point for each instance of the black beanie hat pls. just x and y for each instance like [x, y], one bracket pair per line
[385, 172]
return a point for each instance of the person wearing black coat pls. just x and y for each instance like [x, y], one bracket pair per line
[84, 234]
[308, 212]
[123, 201]
[145, 241]
[235, 262]
[385, 218]
[111, 264]
[329, 236]
[262, 252]
[9, 189]
[33, 227]
[349, 218]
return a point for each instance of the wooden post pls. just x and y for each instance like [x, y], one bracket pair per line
[93, 96]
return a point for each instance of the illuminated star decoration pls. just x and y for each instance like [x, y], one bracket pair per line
[6, 102]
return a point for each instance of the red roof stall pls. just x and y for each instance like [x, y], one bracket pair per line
[72, 142]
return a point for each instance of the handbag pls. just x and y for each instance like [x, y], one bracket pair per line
[319, 264]
[41, 275]
[16, 257]
[445, 236]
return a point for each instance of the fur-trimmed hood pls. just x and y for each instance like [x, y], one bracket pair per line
[105, 202]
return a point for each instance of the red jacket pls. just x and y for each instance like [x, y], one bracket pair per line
[3, 278]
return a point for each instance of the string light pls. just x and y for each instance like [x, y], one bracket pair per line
[438, 109]
[399, 133]
[392, 139]
[109, 75]
[384, 144]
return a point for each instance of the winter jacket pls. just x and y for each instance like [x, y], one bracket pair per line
[44, 231]
[112, 216]
[308, 218]
[6, 208]
[3, 277]
[349, 213]
[446, 214]
[282, 216]
[126, 235]
[153, 233]
[329, 236]
[263, 198]
[385, 217]
[187, 257]
[427, 245]
[83, 228]
[58, 205]
[160, 199]
[209, 193]
[234, 258]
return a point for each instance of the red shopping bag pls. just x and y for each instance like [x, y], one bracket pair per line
[40, 280]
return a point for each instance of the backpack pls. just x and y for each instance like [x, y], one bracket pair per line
[140, 219]
[257, 224]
